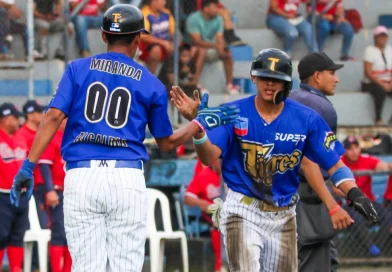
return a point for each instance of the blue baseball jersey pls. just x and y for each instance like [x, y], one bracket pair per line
[109, 99]
[262, 160]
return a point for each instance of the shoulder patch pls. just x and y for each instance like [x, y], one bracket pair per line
[329, 140]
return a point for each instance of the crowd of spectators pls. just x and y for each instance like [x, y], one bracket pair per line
[207, 33]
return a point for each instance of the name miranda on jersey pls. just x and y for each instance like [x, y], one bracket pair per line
[115, 68]
[88, 137]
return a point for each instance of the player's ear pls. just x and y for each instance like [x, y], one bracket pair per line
[104, 37]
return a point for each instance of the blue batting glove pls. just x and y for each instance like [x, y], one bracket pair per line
[213, 117]
[23, 179]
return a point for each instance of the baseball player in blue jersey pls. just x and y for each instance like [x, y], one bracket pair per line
[109, 100]
[261, 155]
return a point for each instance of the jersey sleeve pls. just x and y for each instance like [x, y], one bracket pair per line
[220, 25]
[368, 56]
[172, 24]
[192, 26]
[158, 120]
[222, 137]
[65, 93]
[322, 146]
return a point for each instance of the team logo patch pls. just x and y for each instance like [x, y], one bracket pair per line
[241, 126]
[261, 163]
[329, 140]
[115, 25]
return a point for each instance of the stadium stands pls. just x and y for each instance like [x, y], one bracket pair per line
[354, 108]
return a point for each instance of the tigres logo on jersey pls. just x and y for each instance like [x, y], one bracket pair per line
[261, 165]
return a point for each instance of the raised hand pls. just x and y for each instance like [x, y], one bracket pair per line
[187, 107]
[213, 117]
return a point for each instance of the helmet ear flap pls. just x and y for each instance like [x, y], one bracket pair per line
[282, 94]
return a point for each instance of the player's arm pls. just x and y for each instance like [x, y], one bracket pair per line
[323, 148]
[339, 217]
[179, 137]
[206, 118]
[52, 199]
[193, 200]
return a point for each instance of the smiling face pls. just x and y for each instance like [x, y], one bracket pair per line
[267, 87]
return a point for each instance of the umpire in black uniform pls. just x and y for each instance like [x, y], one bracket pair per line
[316, 251]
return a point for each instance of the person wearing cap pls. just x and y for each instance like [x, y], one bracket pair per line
[158, 46]
[318, 77]
[378, 71]
[357, 161]
[33, 113]
[14, 221]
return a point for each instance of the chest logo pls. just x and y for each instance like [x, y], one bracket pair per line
[261, 163]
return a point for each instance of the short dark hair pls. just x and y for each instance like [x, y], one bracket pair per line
[306, 80]
[205, 3]
[121, 39]
[185, 47]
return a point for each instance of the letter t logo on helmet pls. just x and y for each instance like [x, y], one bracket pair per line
[273, 62]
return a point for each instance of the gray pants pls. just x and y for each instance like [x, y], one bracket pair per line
[320, 257]
[54, 26]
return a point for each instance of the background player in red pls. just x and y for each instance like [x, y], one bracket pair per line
[52, 169]
[356, 161]
[34, 112]
[202, 190]
[14, 221]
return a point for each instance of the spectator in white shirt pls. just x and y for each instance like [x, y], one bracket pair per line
[378, 70]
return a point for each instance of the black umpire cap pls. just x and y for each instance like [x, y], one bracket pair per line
[8, 109]
[123, 19]
[316, 62]
[32, 106]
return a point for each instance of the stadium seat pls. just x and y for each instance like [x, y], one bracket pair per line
[35, 234]
[192, 227]
[385, 20]
[157, 238]
[242, 53]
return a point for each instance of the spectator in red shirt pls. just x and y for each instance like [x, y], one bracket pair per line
[284, 19]
[388, 194]
[14, 221]
[330, 18]
[88, 17]
[201, 192]
[356, 161]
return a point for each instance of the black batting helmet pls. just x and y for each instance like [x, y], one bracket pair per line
[123, 19]
[274, 63]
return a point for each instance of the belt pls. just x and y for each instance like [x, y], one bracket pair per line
[262, 205]
[104, 163]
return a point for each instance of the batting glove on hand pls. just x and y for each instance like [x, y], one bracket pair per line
[23, 179]
[213, 117]
[215, 210]
[363, 205]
